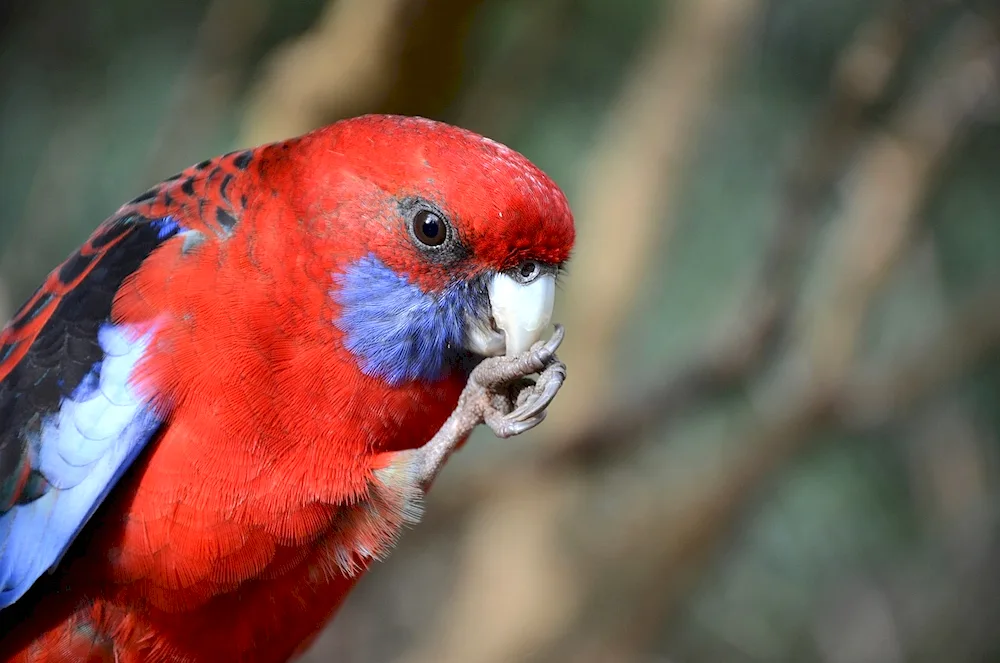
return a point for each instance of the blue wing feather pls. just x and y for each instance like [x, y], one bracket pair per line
[81, 450]
[71, 422]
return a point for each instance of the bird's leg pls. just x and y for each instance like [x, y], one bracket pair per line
[498, 394]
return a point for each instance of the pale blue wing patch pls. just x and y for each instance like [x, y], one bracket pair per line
[81, 451]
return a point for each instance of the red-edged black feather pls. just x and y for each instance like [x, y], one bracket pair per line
[51, 343]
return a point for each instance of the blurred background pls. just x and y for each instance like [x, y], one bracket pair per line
[779, 437]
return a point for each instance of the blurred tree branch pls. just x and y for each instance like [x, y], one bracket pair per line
[870, 400]
[634, 171]
[207, 87]
[396, 56]
[680, 554]
[859, 82]
[338, 66]
[891, 179]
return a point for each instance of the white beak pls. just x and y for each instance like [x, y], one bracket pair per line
[521, 312]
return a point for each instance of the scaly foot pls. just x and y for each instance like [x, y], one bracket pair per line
[500, 395]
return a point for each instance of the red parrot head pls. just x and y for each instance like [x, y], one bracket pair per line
[445, 241]
[420, 242]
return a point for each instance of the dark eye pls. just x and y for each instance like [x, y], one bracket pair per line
[529, 270]
[429, 228]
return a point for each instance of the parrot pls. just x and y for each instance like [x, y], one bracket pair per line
[230, 401]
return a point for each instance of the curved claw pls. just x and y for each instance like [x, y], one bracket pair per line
[504, 426]
[542, 393]
[548, 349]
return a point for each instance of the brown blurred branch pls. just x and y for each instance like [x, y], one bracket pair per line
[859, 81]
[872, 400]
[429, 73]
[206, 88]
[339, 66]
[771, 441]
[892, 177]
[398, 56]
[634, 171]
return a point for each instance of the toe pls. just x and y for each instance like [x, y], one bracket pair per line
[541, 394]
[504, 426]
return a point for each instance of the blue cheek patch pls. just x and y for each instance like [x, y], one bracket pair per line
[397, 331]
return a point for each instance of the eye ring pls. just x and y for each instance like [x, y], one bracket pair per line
[430, 228]
[528, 271]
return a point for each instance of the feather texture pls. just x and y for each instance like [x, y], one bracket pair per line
[396, 330]
[78, 453]
[232, 363]
[70, 424]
